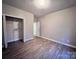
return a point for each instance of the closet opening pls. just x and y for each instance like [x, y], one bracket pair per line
[14, 30]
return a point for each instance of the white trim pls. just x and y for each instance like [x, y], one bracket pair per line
[58, 42]
[4, 15]
[4, 29]
[12, 40]
[12, 16]
[25, 40]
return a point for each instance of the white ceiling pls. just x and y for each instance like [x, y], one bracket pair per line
[28, 5]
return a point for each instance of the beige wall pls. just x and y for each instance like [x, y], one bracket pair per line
[28, 19]
[60, 26]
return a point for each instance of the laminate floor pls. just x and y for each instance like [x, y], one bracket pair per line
[38, 48]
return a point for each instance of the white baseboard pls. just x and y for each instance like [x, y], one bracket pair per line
[28, 39]
[58, 42]
[13, 40]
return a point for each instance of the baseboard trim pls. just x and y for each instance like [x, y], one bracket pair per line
[27, 39]
[12, 41]
[58, 42]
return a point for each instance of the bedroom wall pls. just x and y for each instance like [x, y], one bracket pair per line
[26, 16]
[60, 26]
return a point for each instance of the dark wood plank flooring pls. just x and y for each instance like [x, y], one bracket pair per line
[38, 48]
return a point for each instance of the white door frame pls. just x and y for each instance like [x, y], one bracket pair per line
[4, 29]
[36, 28]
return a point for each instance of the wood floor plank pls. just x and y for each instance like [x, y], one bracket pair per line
[38, 48]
